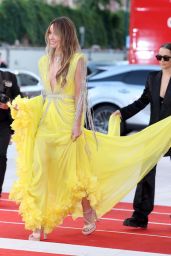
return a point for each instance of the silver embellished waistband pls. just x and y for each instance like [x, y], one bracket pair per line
[56, 95]
[53, 97]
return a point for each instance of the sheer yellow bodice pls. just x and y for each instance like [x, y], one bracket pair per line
[69, 89]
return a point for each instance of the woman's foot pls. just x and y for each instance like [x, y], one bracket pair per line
[88, 229]
[37, 235]
[90, 219]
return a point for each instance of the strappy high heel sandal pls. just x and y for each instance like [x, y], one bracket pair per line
[90, 219]
[37, 235]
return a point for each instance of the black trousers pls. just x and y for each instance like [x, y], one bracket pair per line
[5, 133]
[144, 196]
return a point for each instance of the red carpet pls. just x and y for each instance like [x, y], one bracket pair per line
[26, 253]
[110, 232]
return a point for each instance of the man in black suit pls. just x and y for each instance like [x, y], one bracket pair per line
[157, 93]
[8, 91]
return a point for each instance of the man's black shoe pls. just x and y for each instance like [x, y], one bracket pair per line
[133, 222]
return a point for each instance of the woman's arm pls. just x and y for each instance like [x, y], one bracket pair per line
[80, 85]
[138, 105]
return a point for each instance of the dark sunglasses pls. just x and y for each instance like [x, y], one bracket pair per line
[165, 57]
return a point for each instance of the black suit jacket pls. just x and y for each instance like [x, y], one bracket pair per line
[151, 95]
[11, 92]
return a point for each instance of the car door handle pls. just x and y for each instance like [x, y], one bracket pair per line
[124, 91]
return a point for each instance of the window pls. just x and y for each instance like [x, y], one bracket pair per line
[26, 80]
[113, 78]
[134, 77]
[137, 77]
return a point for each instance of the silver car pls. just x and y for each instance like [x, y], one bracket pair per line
[115, 88]
[29, 83]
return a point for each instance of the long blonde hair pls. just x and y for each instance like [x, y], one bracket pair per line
[65, 28]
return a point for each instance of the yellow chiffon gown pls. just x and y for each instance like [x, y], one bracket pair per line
[55, 173]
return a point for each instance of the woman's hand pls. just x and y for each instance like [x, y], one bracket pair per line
[3, 105]
[76, 132]
[16, 107]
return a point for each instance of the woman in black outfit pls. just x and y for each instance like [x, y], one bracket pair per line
[157, 93]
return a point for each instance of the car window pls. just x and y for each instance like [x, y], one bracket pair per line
[136, 77]
[89, 71]
[96, 72]
[26, 80]
[118, 77]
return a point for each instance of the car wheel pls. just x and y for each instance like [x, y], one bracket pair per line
[101, 117]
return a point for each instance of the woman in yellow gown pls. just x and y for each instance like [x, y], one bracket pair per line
[64, 168]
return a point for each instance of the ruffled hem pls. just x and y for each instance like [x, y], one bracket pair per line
[54, 215]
